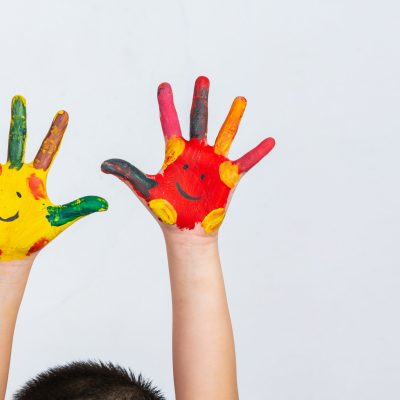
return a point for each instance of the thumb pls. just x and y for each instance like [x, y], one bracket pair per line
[65, 213]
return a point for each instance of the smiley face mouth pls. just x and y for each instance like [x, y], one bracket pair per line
[10, 219]
[184, 194]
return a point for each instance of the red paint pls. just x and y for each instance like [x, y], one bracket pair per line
[36, 186]
[201, 160]
[37, 246]
[252, 157]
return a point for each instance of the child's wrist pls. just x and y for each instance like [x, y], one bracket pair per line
[193, 238]
[188, 250]
[14, 274]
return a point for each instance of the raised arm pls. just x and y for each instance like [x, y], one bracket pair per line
[189, 197]
[203, 346]
[28, 219]
[13, 278]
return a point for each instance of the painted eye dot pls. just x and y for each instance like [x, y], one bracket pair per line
[19, 194]
[202, 176]
[185, 166]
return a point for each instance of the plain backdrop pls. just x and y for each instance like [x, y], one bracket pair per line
[310, 244]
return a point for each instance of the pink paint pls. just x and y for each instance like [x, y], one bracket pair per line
[168, 116]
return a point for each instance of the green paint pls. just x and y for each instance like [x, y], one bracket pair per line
[60, 215]
[17, 136]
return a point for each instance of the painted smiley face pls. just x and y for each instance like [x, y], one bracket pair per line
[185, 194]
[13, 217]
[23, 209]
[22, 192]
[192, 183]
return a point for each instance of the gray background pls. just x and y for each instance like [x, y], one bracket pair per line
[309, 247]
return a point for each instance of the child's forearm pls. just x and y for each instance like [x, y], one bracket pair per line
[13, 278]
[203, 346]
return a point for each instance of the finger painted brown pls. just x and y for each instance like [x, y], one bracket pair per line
[28, 219]
[196, 180]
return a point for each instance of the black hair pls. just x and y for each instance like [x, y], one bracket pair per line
[88, 380]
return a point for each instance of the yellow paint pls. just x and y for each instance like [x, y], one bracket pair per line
[164, 210]
[18, 97]
[229, 173]
[18, 236]
[173, 149]
[230, 126]
[213, 220]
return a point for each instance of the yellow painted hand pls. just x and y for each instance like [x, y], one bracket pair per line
[28, 219]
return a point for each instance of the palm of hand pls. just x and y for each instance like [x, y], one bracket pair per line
[28, 219]
[196, 179]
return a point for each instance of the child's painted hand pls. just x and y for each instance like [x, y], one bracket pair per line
[195, 182]
[28, 219]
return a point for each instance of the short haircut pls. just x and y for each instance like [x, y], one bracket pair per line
[88, 381]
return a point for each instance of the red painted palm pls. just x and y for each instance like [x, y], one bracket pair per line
[196, 179]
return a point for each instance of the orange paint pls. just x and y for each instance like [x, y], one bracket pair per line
[37, 188]
[229, 128]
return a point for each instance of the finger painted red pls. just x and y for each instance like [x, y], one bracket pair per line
[255, 155]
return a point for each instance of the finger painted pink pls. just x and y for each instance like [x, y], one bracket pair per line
[168, 116]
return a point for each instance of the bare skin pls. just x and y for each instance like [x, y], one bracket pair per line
[13, 278]
[203, 345]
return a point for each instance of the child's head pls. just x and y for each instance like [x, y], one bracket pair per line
[88, 381]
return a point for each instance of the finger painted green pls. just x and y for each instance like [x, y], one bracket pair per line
[61, 215]
[17, 136]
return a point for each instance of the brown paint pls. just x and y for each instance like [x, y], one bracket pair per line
[52, 141]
